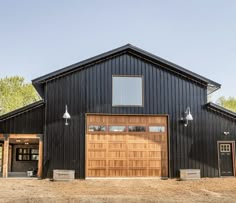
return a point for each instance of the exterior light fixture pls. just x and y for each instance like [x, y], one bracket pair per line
[66, 116]
[188, 117]
[226, 133]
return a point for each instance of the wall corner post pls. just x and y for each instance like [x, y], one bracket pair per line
[5, 155]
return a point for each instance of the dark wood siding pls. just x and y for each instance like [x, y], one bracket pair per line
[31, 122]
[89, 90]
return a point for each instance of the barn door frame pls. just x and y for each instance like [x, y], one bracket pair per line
[233, 155]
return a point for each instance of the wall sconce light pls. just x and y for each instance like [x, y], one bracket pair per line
[188, 117]
[66, 116]
[226, 133]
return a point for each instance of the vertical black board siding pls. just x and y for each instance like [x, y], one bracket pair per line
[89, 90]
[28, 122]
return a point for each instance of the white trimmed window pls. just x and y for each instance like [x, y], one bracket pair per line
[127, 91]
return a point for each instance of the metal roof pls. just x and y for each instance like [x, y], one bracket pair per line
[211, 85]
[21, 110]
[221, 110]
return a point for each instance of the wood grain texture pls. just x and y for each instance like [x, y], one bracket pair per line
[126, 154]
[40, 161]
[5, 158]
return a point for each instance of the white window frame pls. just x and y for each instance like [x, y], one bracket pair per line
[128, 105]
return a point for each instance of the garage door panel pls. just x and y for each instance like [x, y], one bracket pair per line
[137, 154]
[138, 163]
[96, 154]
[154, 147]
[155, 172]
[95, 138]
[155, 163]
[115, 138]
[138, 172]
[129, 153]
[154, 154]
[116, 145]
[136, 120]
[117, 163]
[137, 138]
[116, 154]
[137, 146]
[97, 164]
[97, 173]
[117, 172]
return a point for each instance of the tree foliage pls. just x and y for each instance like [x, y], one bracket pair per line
[16, 93]
[229, 103]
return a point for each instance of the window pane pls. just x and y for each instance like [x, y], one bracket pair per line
[34, 151]
[97, 128]
[26, 151]
[34, 157]
[26, 157]
[137, 129]
[225, 148]
[117, 128]
[156, 129]
[127, 91]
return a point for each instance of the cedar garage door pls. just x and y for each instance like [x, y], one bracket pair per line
[126, 146]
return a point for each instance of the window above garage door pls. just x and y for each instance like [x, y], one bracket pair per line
[127, 91]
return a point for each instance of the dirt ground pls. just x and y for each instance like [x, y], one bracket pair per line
[119, 190]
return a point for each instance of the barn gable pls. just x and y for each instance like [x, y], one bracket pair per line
[134, 51]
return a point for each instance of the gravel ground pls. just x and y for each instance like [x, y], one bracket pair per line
[119, 190]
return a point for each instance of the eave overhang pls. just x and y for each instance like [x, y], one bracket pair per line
[221, 110]
[21, 110]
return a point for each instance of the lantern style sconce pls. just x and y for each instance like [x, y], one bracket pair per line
[66, 116]
[188, 117]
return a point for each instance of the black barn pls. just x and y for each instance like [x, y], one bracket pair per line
[131, 114]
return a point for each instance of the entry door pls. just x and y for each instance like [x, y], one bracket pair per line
[226, 159]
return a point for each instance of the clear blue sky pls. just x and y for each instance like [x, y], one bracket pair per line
[38, 37]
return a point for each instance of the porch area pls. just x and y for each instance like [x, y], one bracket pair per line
[21, 155]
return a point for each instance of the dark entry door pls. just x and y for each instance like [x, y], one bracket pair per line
[226, 159]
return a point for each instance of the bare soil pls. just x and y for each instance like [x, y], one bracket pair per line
[119, 190]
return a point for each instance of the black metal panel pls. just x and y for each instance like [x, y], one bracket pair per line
[27, 122]
[90, 91]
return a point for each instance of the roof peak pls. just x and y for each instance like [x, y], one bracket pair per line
[127, 47]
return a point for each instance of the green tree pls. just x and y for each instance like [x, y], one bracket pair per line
[229, 103]
[16, 93]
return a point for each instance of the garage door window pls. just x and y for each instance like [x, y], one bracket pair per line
[117, 128]
[137, 129]
[156, 128]
[127, 91]
[95, 128]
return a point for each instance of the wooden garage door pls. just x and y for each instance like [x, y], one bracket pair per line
[126, 146]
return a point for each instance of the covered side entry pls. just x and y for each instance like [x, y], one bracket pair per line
[21, 141]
